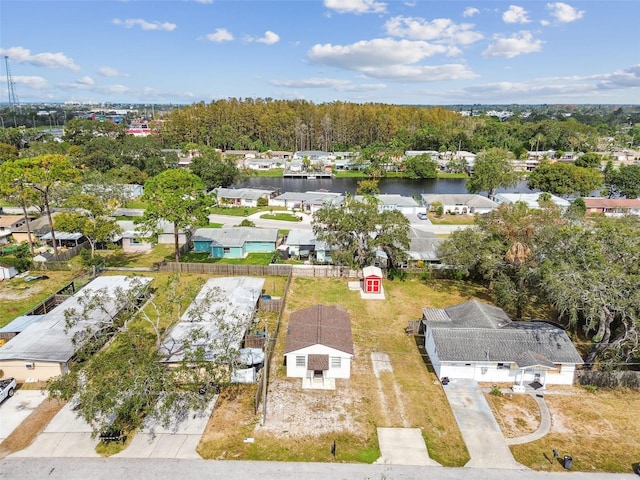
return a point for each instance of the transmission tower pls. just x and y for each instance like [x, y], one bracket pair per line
[14, 104]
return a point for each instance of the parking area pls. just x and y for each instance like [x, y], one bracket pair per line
[480, 431]
[67, 435]
[16, 409]
[177, 440]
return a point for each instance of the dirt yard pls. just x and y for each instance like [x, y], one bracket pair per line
[517, 415]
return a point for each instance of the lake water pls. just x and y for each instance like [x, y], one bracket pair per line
[400, 186]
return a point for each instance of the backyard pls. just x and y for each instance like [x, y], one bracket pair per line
[302, 425]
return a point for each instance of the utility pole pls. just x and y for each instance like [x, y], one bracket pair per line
[14, 104]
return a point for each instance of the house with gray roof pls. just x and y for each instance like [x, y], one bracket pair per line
[531, 199]
[307, 201]
[44, 348]
[389, 202]
[459, 203]
[423, 246]
[478, 341]
[243, 197]
[319, 346]
[234, 242]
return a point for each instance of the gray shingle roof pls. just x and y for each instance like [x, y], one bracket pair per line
[472, 314]
[235, 236]
[320, 325]
[504, 344]
[301, 237]
[477, 332]
[245, 193]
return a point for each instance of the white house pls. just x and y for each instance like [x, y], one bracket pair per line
[459, 203]
[319, 346]
[243, 197]
[478, 341]
[531, 199]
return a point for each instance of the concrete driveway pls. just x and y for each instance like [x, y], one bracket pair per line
[14, 410]
[480, 431]
[177, 440]
[403, 446]
[66, 435]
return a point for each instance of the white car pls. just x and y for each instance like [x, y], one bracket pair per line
[422, 216]
[7, 388]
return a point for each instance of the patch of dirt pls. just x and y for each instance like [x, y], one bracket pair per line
[298, 413]
[31, 427]
[19, 293]
[517, 415]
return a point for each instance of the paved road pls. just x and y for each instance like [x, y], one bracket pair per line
[153, 469]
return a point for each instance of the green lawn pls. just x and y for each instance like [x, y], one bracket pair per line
[451, 219]
[18, 297]
[286, 217]
[274, 172]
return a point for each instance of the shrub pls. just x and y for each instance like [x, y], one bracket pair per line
[495, 391]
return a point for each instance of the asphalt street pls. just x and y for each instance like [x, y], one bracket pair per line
[153, 469]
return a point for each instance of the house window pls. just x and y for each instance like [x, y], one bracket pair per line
[503, 365]
[336, 362]
[226, 250]
[135, 241]
[300, 361]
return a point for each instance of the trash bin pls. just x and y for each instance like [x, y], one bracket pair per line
[568, 461]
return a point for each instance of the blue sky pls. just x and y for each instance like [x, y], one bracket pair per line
[401, 52]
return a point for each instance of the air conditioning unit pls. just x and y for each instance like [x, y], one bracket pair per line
[29, 365]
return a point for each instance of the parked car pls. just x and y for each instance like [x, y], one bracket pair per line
[7, 388]
[422, 216]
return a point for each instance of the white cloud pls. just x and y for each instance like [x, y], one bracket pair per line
[220, 35]
[442, 30]
[514, 91]
[145, 25]
[470, 12]
[86, 80]
[386, 58]
[331, 83]
[356, 6]
[110, 72]
[269, 38]
[515, 14]
[630, 77]
[421, 73]
[378, 52]
[35, 83]
[517, 44]
[49, 60]
[564, 13]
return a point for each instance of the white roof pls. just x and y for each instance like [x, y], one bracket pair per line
[233, 299]
[531, 199]
[49, 339]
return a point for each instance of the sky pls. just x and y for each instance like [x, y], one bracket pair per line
[416, 52]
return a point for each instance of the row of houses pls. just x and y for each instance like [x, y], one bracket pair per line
[471, 340]
[468, 340]
[330, 161]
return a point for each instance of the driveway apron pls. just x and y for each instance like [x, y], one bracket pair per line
[480, 431]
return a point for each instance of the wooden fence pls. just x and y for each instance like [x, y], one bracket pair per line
[275, 269]
[225, 269]
[263, 379]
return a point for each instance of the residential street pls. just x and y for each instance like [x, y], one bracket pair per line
[152, 469]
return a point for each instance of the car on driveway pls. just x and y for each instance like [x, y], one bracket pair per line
[422, 216]
[7, 388]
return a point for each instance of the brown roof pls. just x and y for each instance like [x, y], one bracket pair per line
[595, 202]
[9, 220]
[320, 324]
